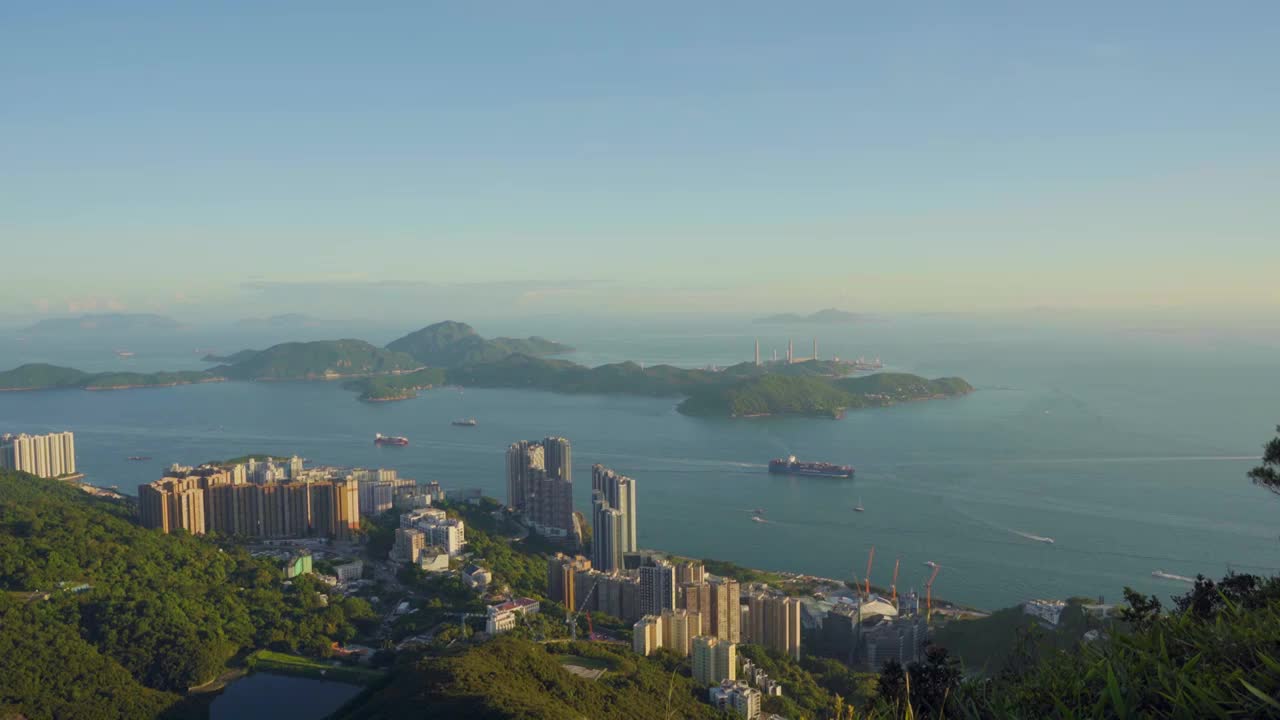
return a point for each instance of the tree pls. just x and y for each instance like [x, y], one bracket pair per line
[1268, 473]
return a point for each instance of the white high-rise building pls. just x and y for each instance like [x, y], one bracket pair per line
[47, 456]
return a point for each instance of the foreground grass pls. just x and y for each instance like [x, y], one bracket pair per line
[286, 664]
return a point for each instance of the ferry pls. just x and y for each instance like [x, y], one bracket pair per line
[469, 422]
[757, 518]
[791, 466]
[380, 439]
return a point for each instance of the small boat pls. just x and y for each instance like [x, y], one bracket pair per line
[124, 354]
[469, 422]
[758, 511]
[380, 439]
[139, 458]
[757, 518]
[930, 563]
[858, 507]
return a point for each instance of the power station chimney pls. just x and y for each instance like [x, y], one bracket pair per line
[791, 356]
[815, 348]
[757, 352]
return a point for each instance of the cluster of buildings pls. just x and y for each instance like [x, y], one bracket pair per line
[263, 499]
[540, 487]
[866, 632]
[428, 537]
[46, 456]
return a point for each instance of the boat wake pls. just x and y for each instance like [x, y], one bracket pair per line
[1170, 576]
[1029, 536]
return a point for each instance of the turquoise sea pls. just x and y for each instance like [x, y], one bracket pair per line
[1127, 446]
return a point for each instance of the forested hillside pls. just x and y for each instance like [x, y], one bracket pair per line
[105, 619]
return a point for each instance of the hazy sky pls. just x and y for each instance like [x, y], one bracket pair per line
[245, 158]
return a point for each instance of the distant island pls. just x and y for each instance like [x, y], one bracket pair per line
[829, 316]
[104, 322]
[42, 376]
[286, 321]
[452, 353]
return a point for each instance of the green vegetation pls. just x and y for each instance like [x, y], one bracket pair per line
[987, 645]
[39, 376]
[451, 344]
[813, 395]
[162, 612]
[724, 568]
[123, 380]
[456, 354]
[318, 360]
[513, 678]
[288, 664]
[382, 388]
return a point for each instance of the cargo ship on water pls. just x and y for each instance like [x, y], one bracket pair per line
[791, 466]
[380, 439]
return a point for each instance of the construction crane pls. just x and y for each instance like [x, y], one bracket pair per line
[870, 557]
[928, 593]
[893, 587]
[591, 629]
[572, 620]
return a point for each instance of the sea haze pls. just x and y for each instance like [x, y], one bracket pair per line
[1129, 449]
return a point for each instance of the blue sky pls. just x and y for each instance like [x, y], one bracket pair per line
[519, 158]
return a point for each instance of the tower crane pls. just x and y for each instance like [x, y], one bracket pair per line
[870, 557]
[572, 621]
[893, 587]
[928, 593]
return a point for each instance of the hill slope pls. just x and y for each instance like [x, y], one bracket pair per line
[157, 613]
[451, 344]
[318, 360]
[512, 679]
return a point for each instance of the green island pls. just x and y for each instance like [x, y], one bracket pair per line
[453, 353]
[41, 376]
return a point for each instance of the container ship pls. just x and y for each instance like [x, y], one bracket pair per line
[791, 466]
[380, 439]
[469, 422]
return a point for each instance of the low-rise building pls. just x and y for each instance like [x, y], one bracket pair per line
[476, 577]
[1049, 611]
[433, 558]
[738, 697]
[503, 617]
[349, 571]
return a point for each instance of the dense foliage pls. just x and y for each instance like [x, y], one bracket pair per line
[166, 610]
[509, 678]
[396, 387]
[451, 344]
[989, 644]
[317, 360]
[777, 393]
[39, 376]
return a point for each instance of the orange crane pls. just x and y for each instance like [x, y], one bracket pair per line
[928, 593]
[870, 557]
[894, 585]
